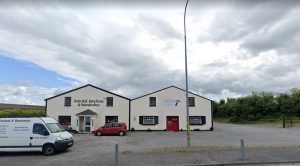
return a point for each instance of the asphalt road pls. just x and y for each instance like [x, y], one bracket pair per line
[263, 143]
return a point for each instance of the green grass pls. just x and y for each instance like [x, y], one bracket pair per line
[21, 113]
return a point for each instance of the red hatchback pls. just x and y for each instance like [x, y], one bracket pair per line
[111, 129]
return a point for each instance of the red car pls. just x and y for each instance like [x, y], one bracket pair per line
[111, 129]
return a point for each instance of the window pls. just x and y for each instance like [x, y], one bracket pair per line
[152, 101]
[116, 125]
[64, 120]
[109, 101]
[55, 127]
[192, 101]
[108, 125]
[197, 120]
[109, 119]
[67, 101]
[38, 129]
[148, 120]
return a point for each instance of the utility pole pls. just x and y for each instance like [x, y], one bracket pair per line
[186, 85]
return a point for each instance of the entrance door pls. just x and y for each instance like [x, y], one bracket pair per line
[87, 124]
[172, 123]
[81, 124]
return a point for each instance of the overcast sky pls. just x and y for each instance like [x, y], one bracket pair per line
[136, 47]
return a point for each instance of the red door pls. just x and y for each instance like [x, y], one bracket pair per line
[172, 123]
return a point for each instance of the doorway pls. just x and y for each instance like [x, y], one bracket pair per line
[172, 123]
[85, 124]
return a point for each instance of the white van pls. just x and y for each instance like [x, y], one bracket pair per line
[33, 134]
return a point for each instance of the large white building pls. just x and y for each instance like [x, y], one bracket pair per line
[87, 107]
[165, 109]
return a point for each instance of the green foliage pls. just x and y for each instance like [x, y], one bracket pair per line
[258, 106]
[21, 113]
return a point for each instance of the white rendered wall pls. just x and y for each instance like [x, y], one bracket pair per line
[140, 107]
[55, 106]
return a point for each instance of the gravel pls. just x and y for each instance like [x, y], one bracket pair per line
[263, 143]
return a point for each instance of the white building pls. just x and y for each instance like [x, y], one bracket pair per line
[165, 109]
[87, 107]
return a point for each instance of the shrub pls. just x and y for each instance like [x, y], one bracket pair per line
[21, 113]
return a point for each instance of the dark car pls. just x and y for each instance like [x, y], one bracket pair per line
[113, 128]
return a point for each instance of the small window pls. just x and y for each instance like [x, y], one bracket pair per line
[148, 120]
[152, 101]
[109, 101]
[64, 120]
[116, 125]
[38, 129]
[108, 125]
[192, 101]
[109, 119]
[67, 101]
[197, 120]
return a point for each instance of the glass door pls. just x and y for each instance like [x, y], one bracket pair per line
[87, 122]
[81, 124]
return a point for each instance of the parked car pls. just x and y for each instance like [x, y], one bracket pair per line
[113, 128]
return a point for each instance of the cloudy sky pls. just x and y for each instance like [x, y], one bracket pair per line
[136, 47]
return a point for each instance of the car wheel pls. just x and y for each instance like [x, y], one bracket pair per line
[98, 133]
[121, 133]
[48, 150]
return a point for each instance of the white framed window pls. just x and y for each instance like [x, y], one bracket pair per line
[197, 120]
[148, 120]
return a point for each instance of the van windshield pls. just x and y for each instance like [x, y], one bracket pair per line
[55, 127]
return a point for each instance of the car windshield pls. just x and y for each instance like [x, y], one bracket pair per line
[55, 127]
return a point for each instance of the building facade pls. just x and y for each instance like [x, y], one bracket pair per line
[87, 107]
[165, 109]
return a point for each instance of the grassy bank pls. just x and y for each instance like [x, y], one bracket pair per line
[21, 113]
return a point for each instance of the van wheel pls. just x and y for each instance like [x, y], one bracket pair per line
[48, 150]
[98, 133]
[121, 133]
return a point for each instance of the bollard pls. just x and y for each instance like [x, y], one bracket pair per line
[242, 150]
[116, 154]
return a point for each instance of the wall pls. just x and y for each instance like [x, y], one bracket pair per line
[55, 106]
[140, 107]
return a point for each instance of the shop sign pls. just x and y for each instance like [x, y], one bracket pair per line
[88, 102]
[171, 102]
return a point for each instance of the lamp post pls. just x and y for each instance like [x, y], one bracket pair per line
[186, 85]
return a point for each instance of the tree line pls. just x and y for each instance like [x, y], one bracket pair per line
[258, 106]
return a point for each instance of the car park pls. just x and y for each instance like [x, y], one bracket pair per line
[113, 128]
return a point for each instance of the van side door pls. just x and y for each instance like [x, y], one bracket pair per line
[39, 135]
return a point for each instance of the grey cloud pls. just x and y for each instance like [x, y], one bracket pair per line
[20, 94]
[55, 27]
[238, 20]
[114, 61]
[258, 25]
[110, 61]
[158, 27]
[278, 74]
[283, 38]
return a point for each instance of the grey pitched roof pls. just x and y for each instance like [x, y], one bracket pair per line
[84, 87]
[87, 112]
[172, 87]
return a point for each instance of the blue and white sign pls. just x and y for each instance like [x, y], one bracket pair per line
[171, 102]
